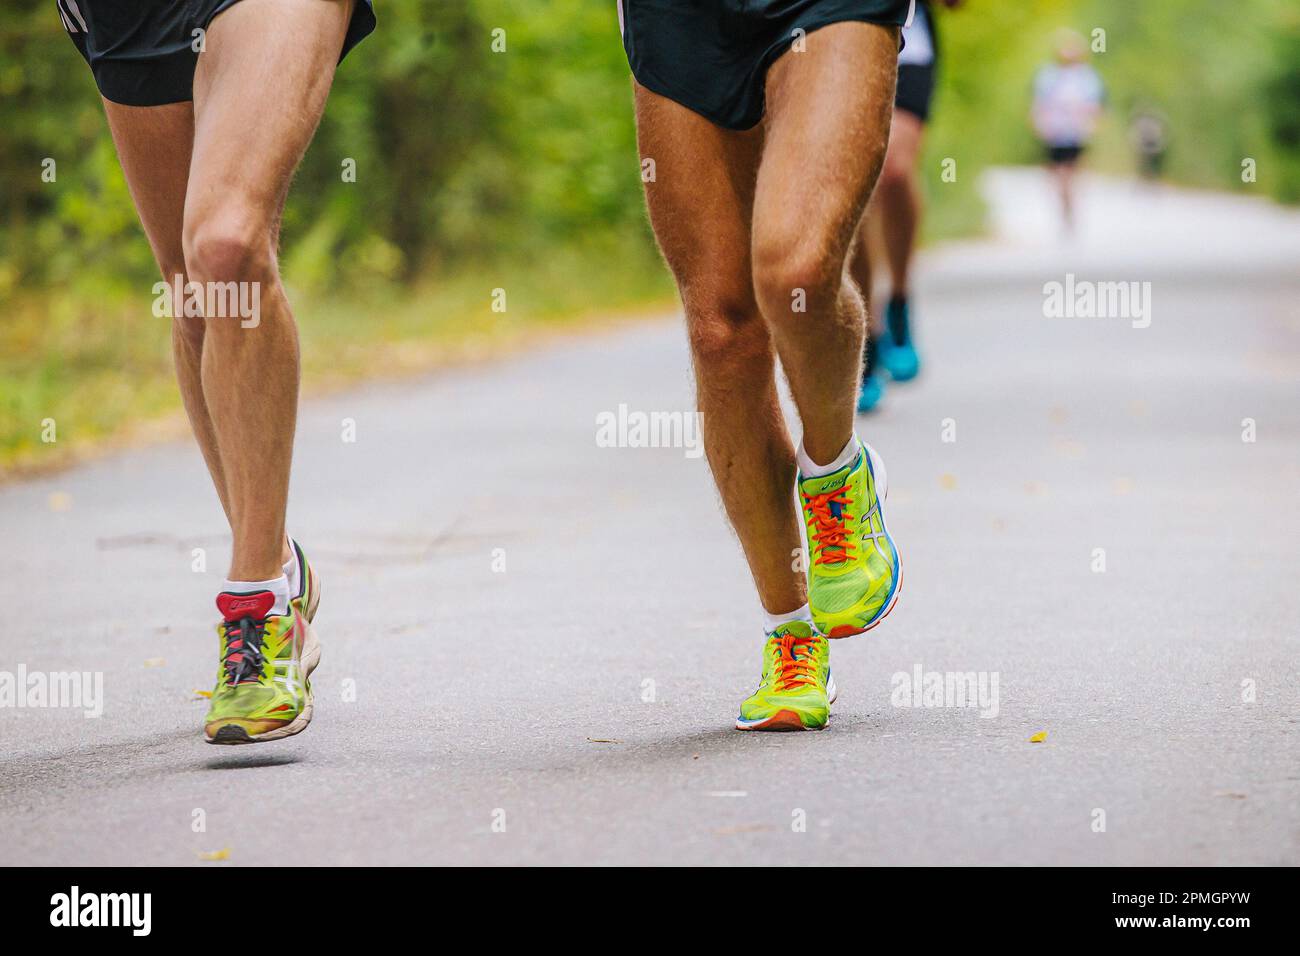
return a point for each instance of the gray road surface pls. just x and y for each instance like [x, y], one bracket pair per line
[1167, 683]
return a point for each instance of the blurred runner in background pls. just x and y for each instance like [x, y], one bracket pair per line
[1068, 97]
[894, 214]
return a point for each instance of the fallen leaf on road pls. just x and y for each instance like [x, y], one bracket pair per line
[1039, 737]
[1232, 794]
[744, 828]
[947, 482]
[602, 740]
[203, 693]
[155, 662]
[215, 854]
[60, 501]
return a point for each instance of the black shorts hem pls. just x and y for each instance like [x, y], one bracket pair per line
[168, 77]
[717, 119]
[747, 119]
[1064, 155]
[157, 82]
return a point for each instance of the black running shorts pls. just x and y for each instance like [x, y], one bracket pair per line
[915, 89]
[143, 52]
[916, 75]
[1064, 155]
[712, 56]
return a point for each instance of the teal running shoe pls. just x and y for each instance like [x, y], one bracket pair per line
[897, 353]
[873, 384]
[871, 393]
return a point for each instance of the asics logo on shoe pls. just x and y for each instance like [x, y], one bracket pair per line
[235, 606]
[824, 485]
[243, 605]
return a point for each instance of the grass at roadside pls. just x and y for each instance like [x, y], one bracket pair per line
[92, 365]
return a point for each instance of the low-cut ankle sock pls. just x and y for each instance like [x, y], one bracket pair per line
[772, 621]
[277, 586]
[292, 570]
[810, 469]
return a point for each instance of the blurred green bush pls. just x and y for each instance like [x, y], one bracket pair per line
[462, 153]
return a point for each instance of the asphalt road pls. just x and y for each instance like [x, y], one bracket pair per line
[574, 704]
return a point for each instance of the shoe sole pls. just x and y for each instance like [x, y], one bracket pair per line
[234, 734]
[784, 720]
[882, 487]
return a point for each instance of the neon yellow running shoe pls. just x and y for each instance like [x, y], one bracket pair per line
[263, 687]
[854, 573]
[796, 690]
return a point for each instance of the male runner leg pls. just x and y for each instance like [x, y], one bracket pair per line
[755, 222]
[209, 179]
[894, 214]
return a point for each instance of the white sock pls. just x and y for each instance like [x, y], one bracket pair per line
[277, 586]
[292, 571]
[773, 621]
[810, 469]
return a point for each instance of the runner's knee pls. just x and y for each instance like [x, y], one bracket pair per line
[727, 332]
[227, 246]
[793, 274]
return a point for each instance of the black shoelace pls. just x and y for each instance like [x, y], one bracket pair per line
[244, 659]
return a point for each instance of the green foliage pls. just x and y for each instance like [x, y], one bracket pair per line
[462, 153]
[1219, 72]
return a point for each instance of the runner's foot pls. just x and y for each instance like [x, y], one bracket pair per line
[897, 353]
[263, 687]
[854, 572]
[796, 690]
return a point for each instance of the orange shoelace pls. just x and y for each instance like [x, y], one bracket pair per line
[794, 671]
[831, 536]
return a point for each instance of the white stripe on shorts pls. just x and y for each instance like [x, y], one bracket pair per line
[76, 13]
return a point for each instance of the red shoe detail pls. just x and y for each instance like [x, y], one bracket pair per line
[235, 607]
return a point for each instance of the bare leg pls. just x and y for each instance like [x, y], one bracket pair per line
[259, 92]
[826, 131]
[153, 146]
[700, 206]
[894, 211]
[898, 198]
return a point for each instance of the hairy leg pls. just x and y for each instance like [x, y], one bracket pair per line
[153, 147]
[700, 204]
[828, 112]
[860, 266]
[259, 91]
